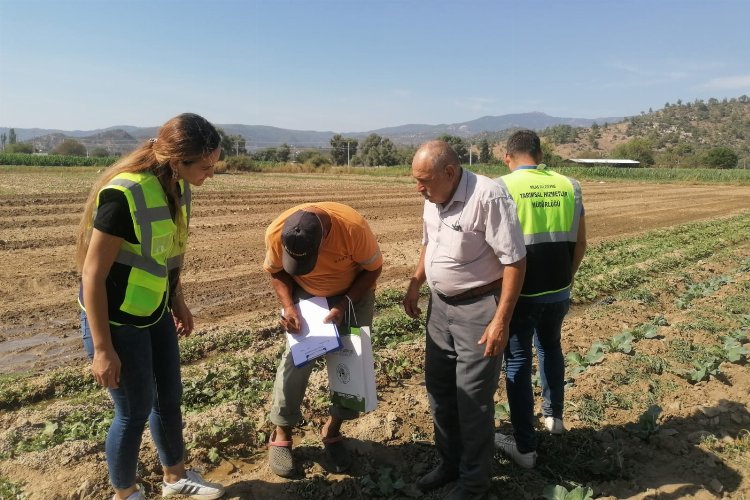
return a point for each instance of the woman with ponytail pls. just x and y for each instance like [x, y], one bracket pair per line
[131, 242]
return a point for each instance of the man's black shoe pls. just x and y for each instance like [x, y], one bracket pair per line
[437, 477]
[459, 493]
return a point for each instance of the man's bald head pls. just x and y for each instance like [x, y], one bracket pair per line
[438, 154]
[437, 170]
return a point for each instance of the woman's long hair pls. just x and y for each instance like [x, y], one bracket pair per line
[187, 137]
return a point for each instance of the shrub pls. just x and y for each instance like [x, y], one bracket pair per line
[720, 157]
[241, 163]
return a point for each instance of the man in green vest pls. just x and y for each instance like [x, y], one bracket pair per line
[550, 210]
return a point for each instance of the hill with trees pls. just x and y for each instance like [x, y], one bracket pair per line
[698, 134]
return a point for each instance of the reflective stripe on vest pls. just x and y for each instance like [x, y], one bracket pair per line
[143, 217]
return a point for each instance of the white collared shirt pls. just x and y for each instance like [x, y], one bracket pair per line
[472, 237]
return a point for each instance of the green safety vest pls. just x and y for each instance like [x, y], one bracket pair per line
[549, 207]
[157, 252]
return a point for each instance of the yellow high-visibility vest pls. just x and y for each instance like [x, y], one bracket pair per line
[158, 250]
[549, 207]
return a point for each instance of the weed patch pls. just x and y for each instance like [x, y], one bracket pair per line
[394, 327]
[247, 381]
[11, 491]
[88, 423]
[62, 382]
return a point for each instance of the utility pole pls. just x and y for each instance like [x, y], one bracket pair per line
[470, 159]
[347, 153]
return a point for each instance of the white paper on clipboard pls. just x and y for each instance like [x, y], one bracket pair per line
[315, 338]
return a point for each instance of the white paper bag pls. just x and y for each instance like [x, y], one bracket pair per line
[351, 371]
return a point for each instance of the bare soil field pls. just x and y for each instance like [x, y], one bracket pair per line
[228, 292]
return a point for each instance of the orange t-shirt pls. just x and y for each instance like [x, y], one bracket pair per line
[349, 247]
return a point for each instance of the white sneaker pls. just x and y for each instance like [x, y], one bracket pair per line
[193, 486]
[554, 425]
[136, 495]
[507, 444]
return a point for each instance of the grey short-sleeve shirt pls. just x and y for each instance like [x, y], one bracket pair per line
[470, 238]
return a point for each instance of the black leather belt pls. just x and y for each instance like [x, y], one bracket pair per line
[479, 291]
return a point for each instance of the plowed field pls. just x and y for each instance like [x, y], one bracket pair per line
[223, 276]
[668, 265]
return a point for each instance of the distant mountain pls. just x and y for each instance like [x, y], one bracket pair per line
[115, 141]
[417, 133]
[262, 136]
[123, 138]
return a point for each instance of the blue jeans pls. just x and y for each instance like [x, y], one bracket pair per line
[150, 389]
[541, 323]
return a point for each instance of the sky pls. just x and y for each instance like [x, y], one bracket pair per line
[360, 65]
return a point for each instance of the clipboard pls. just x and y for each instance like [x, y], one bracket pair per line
[315, 338]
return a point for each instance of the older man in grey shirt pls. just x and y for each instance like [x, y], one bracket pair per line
[473, 259]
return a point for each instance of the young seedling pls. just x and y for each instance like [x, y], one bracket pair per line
[387, 483]
[622, 342]
[703, 369]
[645, 331]
[578, 364]
[558, 492]
[732, 350]
[647, 423]
[502, 411]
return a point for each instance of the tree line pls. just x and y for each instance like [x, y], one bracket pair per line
[698, 134]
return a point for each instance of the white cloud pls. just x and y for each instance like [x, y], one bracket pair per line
[739, 82]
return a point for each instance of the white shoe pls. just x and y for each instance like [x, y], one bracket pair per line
[193, 486]
[554, 425]
[136, 495]
[507, 444]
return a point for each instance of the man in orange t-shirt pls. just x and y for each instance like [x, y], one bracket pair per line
[317, 249]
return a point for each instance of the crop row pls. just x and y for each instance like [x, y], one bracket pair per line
[624, 264]
[54, 160]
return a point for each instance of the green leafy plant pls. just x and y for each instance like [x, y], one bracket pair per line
[703, 369]
[577, 364]
[589, 410]
[502, 411]
[647, 423]
[618, 400]
[557, 492]
[397, 368]
[388, 297]
[11, 491]
[732, 350]
[697, 290]
[385, 483]
[16, 392]
[622, 342]
[645, 331]
[243, 380]
[394, 328]
[90, 423]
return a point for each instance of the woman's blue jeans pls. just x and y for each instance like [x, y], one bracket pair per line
[542, 324]
[150, 390]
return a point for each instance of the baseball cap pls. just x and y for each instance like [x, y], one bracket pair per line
[301, 235]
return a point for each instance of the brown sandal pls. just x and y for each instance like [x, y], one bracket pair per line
[280, 457]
